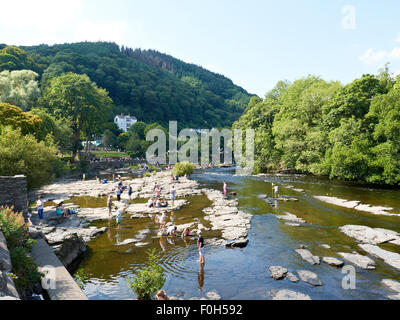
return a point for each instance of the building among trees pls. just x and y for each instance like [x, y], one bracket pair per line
[124, 122]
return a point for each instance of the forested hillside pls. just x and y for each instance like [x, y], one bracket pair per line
[349, 132]
[191, 95]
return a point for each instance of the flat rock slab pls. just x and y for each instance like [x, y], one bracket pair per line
[308, 256]
[309, 277]
[224, 216]
[286, 199]
[141, 244]
[299, 190]
[333, 262]
[60, 234]
[392, 285]
[213, 295]
[126, 242]
[292, 224]
[278, 272]
[240, 243]
[291, 218]
[292, 277]
[359, 260]
[289, 295]
[369, 235]
[143, 208]
[390, 258]
[357, 205]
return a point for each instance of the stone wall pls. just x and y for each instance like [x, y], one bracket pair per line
[7, 286]
[13, 192]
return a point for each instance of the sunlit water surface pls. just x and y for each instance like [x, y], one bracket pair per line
[243, 273]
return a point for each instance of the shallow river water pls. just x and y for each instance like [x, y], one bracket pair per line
[243, 273]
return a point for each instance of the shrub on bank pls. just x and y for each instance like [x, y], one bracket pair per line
[149, 279]
[183, 168]
[24, 271]
[23, 154]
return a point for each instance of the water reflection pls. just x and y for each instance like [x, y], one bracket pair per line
[201, 277]
[163, 244]
[109, 233]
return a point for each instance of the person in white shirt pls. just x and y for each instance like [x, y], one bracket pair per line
[276, 191]
[173, 195]
[40, 208]
[172, 231]
[150, 203]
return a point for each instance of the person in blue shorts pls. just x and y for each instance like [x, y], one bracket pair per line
[119, 217]
[40, 208]
[200, 246]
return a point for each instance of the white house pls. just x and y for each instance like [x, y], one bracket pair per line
[124, 122]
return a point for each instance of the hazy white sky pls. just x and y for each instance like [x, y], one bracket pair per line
[255, 42]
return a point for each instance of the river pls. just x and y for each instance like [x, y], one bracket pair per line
[243, 273]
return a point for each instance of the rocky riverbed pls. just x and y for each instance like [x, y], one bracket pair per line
[62, 232]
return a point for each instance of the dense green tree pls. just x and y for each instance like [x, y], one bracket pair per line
[313, 126]
[18, 119]
[109, 139]
[19, 88]
[78, 99]
[122, 140]
[385, 114]
[23, 154]
[59, 129]
[139, 128]
[13, 58]
[153, 92]
[353, 100]
[297, 131]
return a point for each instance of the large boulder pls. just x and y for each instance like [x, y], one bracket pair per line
[309, 277]
[240, 243]
[307, 256]
[333, 262]
[286, 294]
[71, 249]
[213, 295]
[278, 272]
[292, 278]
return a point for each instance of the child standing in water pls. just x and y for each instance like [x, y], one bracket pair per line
[119, 217]
[200, 246]
[130, 192]
[276, 190]
[225, 189]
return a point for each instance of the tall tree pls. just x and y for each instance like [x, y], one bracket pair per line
[19, 88]
[77, 98]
